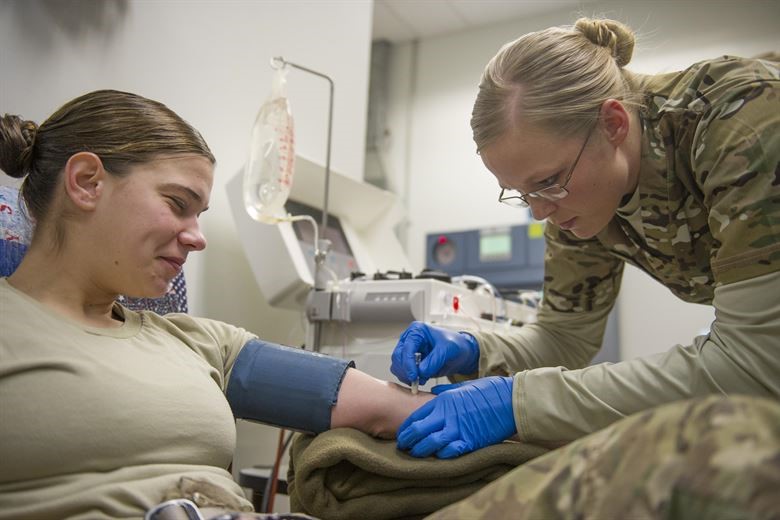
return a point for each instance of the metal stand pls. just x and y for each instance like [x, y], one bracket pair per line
[323, 245]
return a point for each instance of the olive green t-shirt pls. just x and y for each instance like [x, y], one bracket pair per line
[103, 423]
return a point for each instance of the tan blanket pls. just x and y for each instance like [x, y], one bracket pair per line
[344, 473]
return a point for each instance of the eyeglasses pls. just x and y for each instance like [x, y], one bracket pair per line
[555, 191]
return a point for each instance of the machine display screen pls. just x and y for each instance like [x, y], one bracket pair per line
[495, 246]
[305, 232]
[340, 260]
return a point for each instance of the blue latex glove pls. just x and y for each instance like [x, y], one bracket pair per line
[444, 352]
[463, 418]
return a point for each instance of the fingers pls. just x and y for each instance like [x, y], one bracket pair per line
[402, 363]
[427, 347]
[436, 349]
[444, 354]
[454, 449]
[427, 431]
[415, 370]
[445, 443]
[429, 366]
[397, 363]
[433, 443]
[415, 427]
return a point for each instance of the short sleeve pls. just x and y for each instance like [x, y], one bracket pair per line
[218, 343]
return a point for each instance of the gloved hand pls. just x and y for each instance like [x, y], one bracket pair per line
[463, 418]
[444, 352]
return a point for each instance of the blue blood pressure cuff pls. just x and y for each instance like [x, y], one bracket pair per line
[284, 386]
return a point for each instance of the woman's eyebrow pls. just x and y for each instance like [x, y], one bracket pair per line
[189, 191]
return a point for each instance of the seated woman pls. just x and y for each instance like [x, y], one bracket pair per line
[107, 412]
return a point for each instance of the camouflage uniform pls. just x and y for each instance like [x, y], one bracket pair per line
[705, 222]
[714, 458]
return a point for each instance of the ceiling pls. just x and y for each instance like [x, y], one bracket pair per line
[404, 20]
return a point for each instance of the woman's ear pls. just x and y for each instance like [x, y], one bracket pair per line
[615, 121]
[84, 179]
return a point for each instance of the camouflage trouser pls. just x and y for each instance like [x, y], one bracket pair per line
[713, 458]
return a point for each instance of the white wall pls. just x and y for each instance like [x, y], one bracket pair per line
[431, 157]
[209, 61]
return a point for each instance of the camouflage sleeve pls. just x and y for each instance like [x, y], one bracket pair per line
[581, 283]
[579, 274]
[736, 159]
[567, 339]
[701, 458]
[740, 355]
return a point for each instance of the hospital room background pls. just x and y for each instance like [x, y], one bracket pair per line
[209, 61]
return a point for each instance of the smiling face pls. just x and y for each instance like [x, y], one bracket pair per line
[528, 159]
[147, 224]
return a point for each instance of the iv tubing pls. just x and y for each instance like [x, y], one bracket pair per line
[317, 251]
[490, 287]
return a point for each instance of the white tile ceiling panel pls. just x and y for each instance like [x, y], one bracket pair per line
[427, 17]
[389, 25]
[482, 12]
[403, 20]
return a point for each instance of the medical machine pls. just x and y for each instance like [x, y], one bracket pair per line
[371, 295]
[512, 259]
[349, 274]
[364, 317]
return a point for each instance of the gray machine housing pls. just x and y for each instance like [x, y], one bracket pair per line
[509, 257]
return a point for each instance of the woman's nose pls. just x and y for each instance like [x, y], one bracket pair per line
[541, 208]
[192, 237]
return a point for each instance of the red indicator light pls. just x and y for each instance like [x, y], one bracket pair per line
[442, 239]
[455, 303]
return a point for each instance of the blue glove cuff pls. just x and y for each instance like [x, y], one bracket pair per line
[472, 365]
[506, 402]
[284, 386]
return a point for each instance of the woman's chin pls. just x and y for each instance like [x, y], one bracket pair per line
[585, 230]
[151, 292]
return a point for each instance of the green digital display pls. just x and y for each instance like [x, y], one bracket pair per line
[495, 247]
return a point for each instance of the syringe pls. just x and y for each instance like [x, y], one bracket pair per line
[416, 382]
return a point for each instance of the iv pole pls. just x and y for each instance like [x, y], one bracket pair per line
[315, 306]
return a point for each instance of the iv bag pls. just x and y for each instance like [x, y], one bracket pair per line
[268, 173]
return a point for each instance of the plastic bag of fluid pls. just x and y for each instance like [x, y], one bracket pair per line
[268, 173]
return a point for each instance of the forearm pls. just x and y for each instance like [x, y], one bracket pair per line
[740, 355]
[300, 390]
[374, 406]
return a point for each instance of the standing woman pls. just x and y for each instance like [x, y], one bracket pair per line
[106, 412]
[677, 174]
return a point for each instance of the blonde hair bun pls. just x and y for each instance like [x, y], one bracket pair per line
[615, 36]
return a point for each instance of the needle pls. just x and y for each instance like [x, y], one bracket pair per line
[416, 382]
